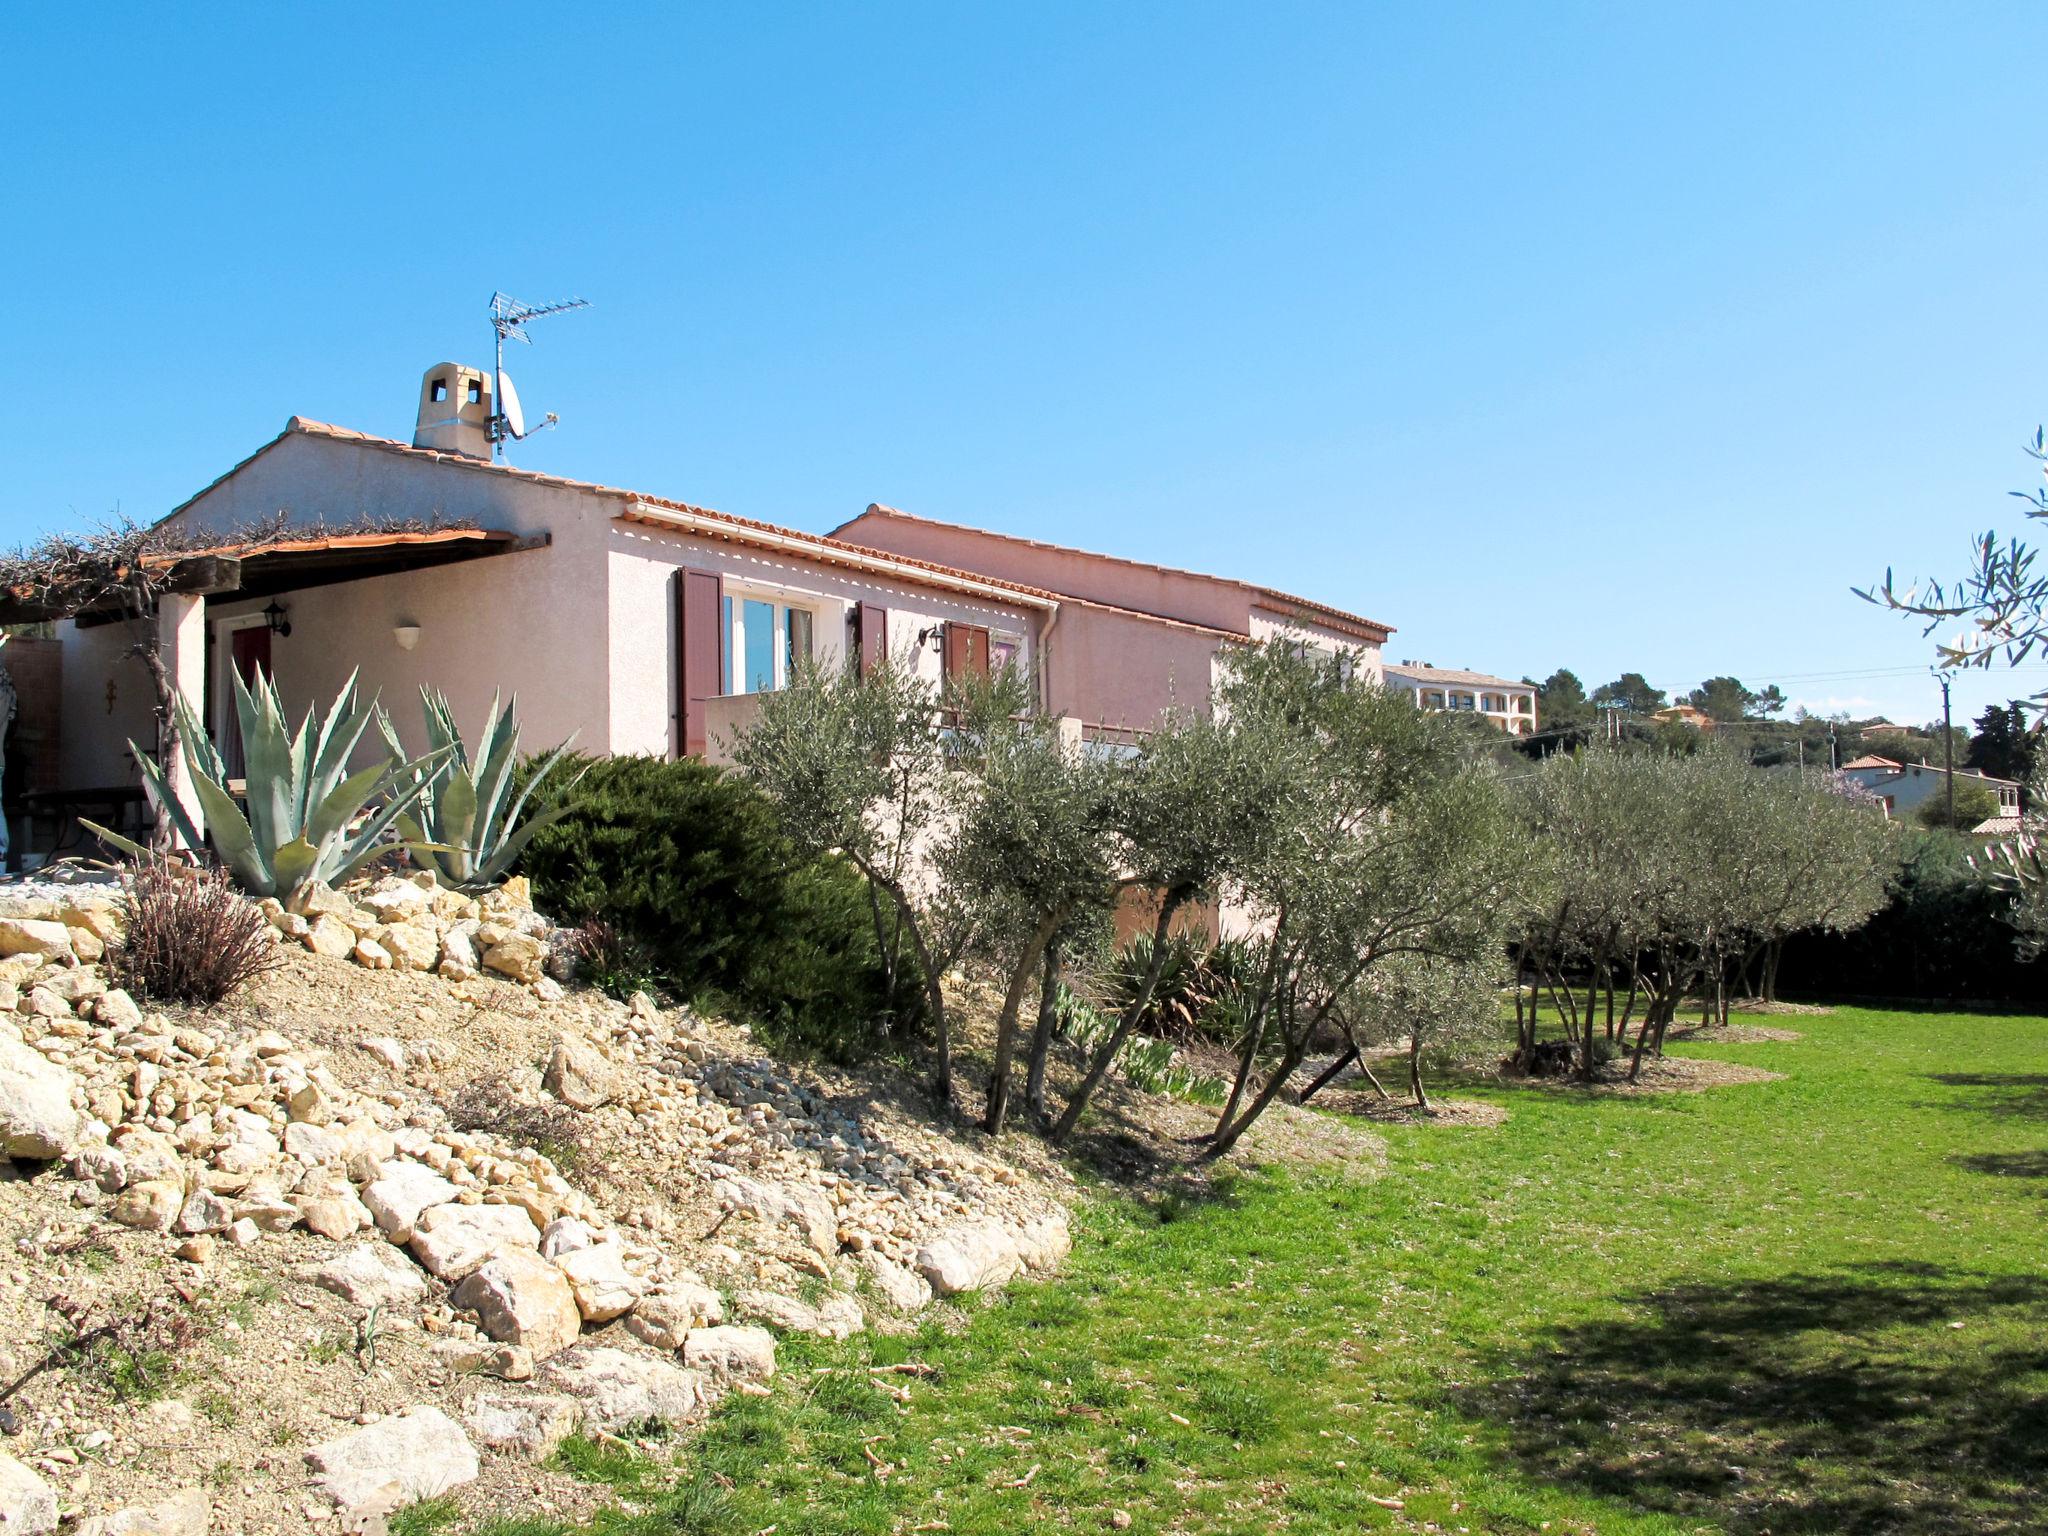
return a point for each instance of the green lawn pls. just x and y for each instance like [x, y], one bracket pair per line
[1812, 1305]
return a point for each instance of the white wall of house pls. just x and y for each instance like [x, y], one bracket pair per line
[107, 702]
[641, 566]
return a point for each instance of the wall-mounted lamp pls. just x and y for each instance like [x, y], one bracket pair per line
[407, 635]
[930, 633]
[277, 619]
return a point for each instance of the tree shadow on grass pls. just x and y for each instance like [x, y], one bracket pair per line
[2006, 1165]
[1849, 1401]
[2009, 1095]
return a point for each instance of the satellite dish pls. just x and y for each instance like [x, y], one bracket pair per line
[508, 407]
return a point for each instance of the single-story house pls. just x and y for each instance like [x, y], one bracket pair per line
[634, 622]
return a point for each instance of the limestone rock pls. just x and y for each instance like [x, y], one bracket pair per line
[150, 1206]
[517, 955]
[520, 1298]
[328, 935]
[117, 1010]
[458, 956]
[371, 954]
[36, 1117]
[415, 1455]
[315, 1144]
[414, 946]
[604, 1288]
[799, 1206]
[337, 1215]
[904, 1289]
[34, 936]
[837, 1317]
[579, 1074]
[732, 1353]
[204, 1211]
[402, 1192]
[270, 1212]
[28, 1505]
[387, 1050]
[1045, 1242]
[185, 1513]
[453, 1241]
[620, 1389]
[369, 1275]
[527, 1427]
[973, 1256]
[396, 902]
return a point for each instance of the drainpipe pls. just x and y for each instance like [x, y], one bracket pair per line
[1052, 620]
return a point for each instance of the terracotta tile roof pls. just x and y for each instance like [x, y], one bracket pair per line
[1997, 826]
[1308, 606]
[830, 550]
[1453, 675]
[1869, 760]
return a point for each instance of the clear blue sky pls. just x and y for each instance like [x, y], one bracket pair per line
[1611, 337]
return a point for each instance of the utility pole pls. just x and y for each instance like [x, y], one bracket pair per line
[1948, 749]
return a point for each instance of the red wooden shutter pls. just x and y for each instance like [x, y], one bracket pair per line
[700, 653]
[874, 637]
[966, 650]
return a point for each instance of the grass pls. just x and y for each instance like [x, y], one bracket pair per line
[1779, 1309]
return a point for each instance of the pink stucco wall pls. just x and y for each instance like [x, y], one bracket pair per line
[1099, 578]
[1145, 639]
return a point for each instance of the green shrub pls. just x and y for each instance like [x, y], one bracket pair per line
[686, 863]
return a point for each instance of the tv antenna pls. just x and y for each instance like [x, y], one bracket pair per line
[509, 318]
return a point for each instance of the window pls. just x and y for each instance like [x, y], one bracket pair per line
[438, 391]
[1004, 651]
[476, 391]
[763, 638]
[966, 650]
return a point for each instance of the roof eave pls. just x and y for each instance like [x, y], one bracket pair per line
[810, 547]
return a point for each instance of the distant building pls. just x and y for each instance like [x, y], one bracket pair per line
[1511, 706]
[1905, 787]
[1686, 714]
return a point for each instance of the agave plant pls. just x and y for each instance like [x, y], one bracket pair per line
[305, 821]
[466, 828]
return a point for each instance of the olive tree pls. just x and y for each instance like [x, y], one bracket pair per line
[1601, 859]
[1393, 843]
[863, 766]
[1426, 1003]
[1031, 847]
[1206, 799]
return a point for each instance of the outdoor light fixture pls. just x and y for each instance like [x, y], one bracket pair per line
[407, 635]
[278, 621]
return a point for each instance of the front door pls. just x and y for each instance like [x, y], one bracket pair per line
[249, 650]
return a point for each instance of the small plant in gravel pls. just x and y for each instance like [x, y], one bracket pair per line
[188, 936]
[424, 1517]
[553, 1130]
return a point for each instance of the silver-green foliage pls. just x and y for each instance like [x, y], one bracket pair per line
[306, 820]
[465, 826]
